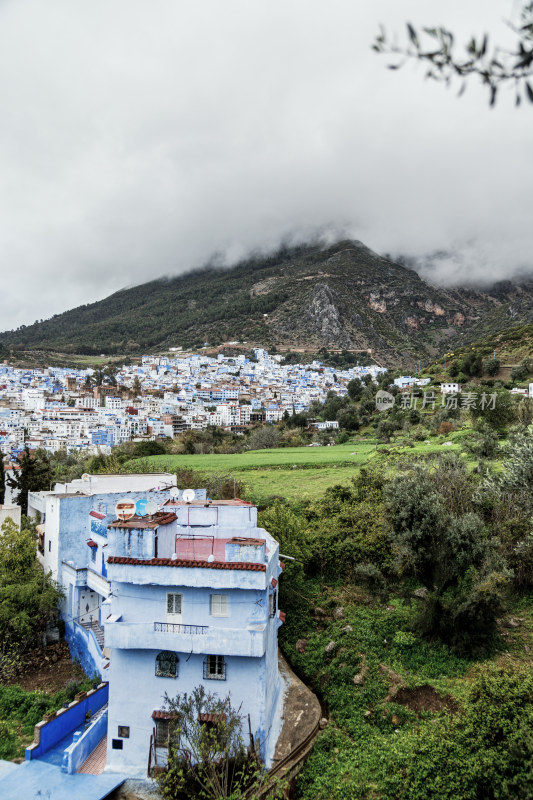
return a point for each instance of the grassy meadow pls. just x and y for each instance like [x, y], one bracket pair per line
[295, 473]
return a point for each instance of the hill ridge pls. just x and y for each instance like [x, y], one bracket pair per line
[341, 295]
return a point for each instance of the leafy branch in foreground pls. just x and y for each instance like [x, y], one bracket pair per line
[493, 64]
[207, 756]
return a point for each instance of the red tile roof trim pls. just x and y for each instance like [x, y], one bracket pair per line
[92, 543]
[216, 718]
[282, 616]
[168, 562]
[274, 583]
[165, 715]
[282, 564]
[96, 514]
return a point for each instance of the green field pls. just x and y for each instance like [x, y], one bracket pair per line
[295, 473]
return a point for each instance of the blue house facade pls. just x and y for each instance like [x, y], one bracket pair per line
[162, 595]
[193, 601]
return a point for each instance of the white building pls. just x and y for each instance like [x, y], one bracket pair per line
[450, 388]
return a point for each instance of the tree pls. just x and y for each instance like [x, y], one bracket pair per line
[264, 437]
[472, 365]
[496, 408]
[297, 421]
[521, 372]
[491, 367]
[453, 369]
[484, 442]
[288, 529]
[492, 64]
[207, 757]
[386, 428]
[348, 418]
[355, 388]
[28, 599]
[524, 411]
[34, 475]
[136, 386]
[452, 557]
[144, 449]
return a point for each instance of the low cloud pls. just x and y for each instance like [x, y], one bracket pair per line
[138, 140]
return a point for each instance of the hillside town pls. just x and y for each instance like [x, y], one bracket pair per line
[56, 408]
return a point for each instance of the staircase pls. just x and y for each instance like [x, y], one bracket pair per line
[97, 630]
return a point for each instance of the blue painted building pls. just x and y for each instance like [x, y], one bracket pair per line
[193, 601]
[162, 595]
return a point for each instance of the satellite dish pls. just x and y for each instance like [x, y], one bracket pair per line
[175, 492]
[189, 495]
[140, 507]
[211, 558]
[151, 508]
[125, 510]
[86, 476]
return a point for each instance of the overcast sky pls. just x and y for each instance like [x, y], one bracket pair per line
[139, 138]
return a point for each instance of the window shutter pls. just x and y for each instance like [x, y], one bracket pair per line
[219, 605]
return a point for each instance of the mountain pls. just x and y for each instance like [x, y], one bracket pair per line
[340, 296]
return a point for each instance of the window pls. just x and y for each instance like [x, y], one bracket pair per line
[219, 605]
[93, 553]
[165, 732]
[215, 668]
[117, 744]
[124, 731]
[166, 664]
[49, 545]
[272, 603]
[174, 603]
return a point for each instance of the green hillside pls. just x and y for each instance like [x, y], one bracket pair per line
[343, 296]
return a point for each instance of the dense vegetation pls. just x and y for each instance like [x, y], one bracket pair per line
[394, 615]
[408, 718]
[28, 599]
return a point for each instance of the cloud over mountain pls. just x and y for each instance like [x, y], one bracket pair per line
[139, 139]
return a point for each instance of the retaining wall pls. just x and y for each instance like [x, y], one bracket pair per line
[48, 733]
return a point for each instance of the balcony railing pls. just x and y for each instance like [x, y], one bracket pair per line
[172, 627]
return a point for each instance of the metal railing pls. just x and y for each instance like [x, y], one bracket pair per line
[173, 627]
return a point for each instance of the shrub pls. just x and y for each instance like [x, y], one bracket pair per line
[445, 428]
